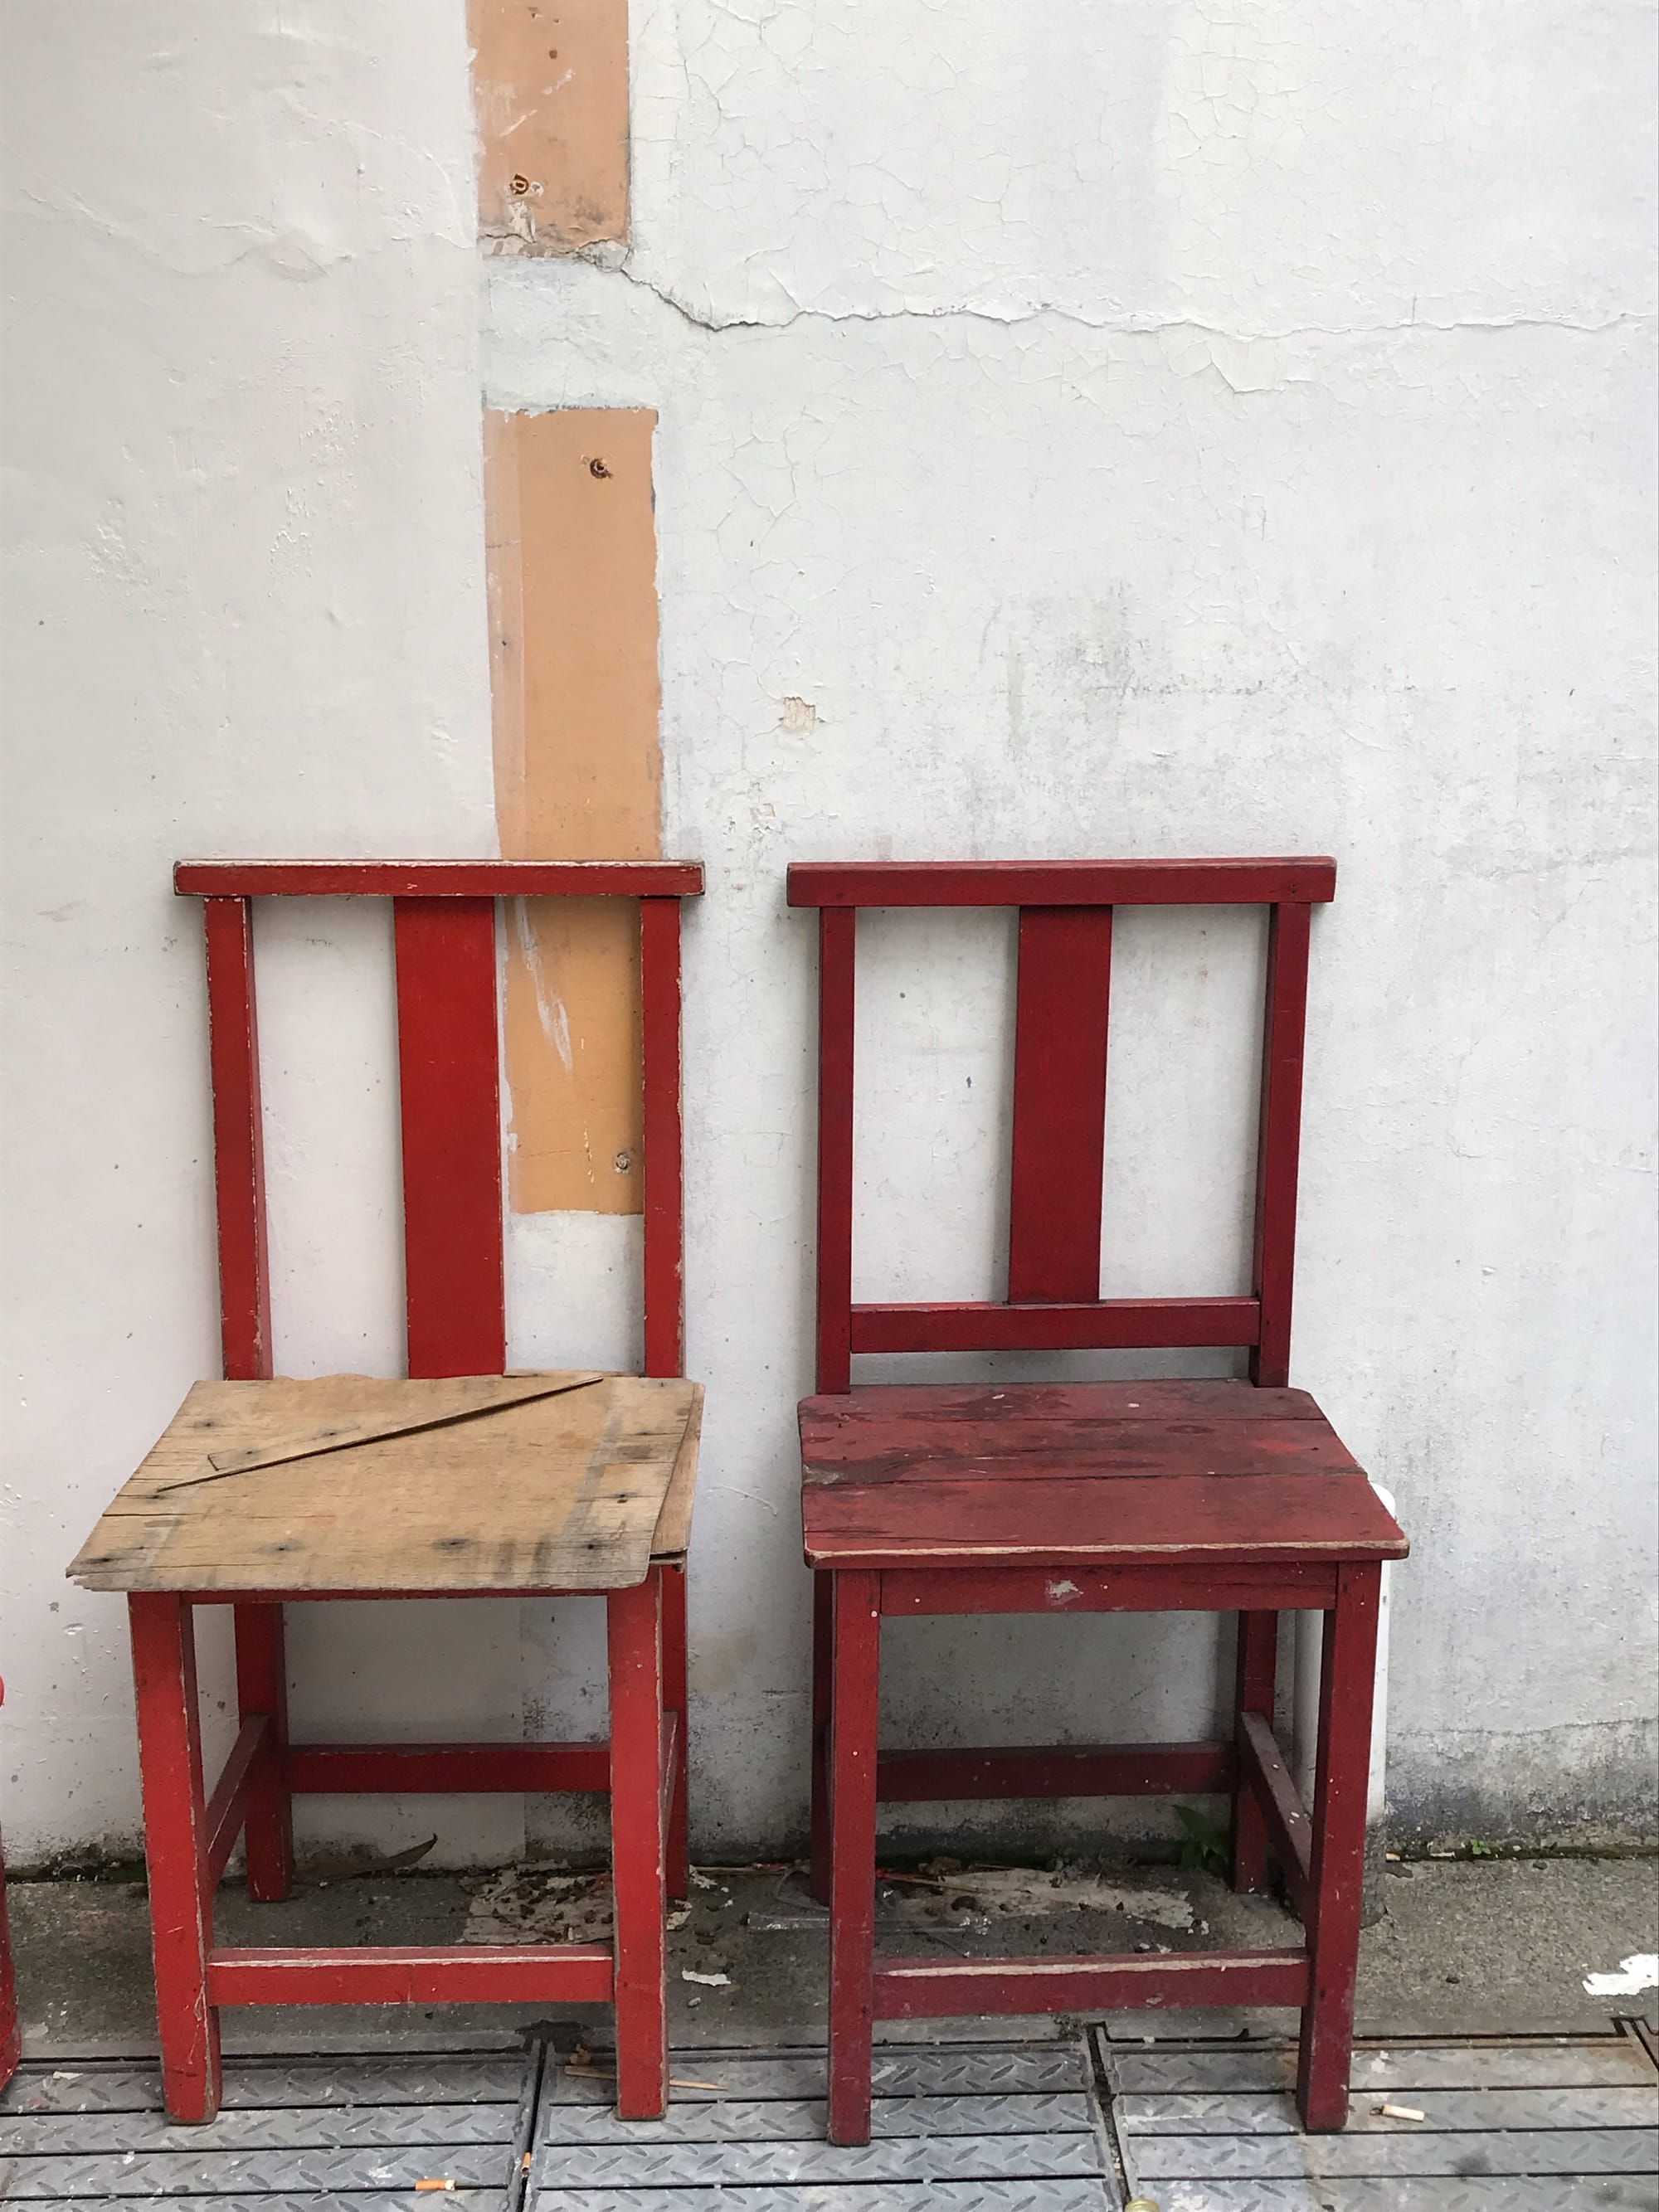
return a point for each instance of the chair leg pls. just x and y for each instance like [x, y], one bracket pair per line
[181, 1896]
[1258, 1668]
[856, 1663]
[676, 1695]
[824, 1678]
[639, 1847]
[1338, 1870]
[262, 1688]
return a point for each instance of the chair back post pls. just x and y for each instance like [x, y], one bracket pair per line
[1056, 1183]
[449, 1090]
[1279, 1139]
[664, 1166]
[239, 1150]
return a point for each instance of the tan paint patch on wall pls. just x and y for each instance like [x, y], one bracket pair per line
[573, 599]
[550, 83]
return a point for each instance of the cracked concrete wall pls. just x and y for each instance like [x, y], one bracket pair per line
[1203, 427]
[1200, 428]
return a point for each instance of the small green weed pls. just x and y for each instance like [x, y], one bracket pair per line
[1206, 1844]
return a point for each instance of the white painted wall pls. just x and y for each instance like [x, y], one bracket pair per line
[1211, 428]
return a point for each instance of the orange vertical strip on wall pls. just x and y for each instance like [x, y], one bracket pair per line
[549, 82]
[572, 599]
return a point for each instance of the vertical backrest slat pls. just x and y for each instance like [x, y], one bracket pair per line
[239, 1160]
[1279, 1142]
[1059, 1102]
[1056, 1199]
[837, 987]
[662, 1135]
[450, 1085]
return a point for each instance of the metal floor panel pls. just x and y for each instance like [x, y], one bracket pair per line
[1437, 2193]
[120, 2086]
[1053, 2196]
[787, 2119]
[972, 2126]
[345, 2132]
[911, 2070]
[1545, 2124]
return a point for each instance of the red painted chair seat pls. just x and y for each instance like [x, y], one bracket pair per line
[1058, 1473]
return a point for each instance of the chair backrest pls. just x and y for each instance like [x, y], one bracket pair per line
[1054, 1301]
[449, 1085]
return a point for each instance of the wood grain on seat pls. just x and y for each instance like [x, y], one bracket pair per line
[1127, 1471]
[351, 1483]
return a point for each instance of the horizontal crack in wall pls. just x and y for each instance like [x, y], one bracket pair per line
[1128, 325]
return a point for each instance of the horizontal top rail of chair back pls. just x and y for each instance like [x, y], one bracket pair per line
[1060, 882]
[449, 1089]
[1055, 1196]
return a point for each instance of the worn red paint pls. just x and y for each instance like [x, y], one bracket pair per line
[837, 985]
[857, 1665]
[639, 1847]
[1336, 1875]
[1274, 1798]
[1279, 1140]
[1099, 1324]
[262, 1694]
[676, 1690]
[448, 1056]
[439, 878]
[930, 1989]
[1059, 882]
[664, 1197]
[448, 1064]
[1256, 1681]
[1141, 1770]
[1059, 1102]
[1156, 1496]
[239, 1157]
[176, 1846]
[368, 1973]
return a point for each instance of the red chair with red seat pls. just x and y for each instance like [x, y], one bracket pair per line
[1162, 1497]
[458, 1482]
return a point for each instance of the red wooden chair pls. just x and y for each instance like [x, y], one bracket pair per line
[431, 1487]
[11, 2034]
[1151, 1497]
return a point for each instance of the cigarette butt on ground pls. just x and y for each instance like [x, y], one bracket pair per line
[1401, 2112]
[425, 2187]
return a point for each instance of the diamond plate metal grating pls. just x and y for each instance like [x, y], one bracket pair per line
[1563, 2124]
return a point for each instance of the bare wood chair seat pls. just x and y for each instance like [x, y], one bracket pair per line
[558, 1481]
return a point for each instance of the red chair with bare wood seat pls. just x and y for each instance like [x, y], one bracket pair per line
[461, 1481]
[1152, 1496]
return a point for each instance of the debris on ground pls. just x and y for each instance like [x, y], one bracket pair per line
[708, 1981]
[552, 1903]
[321, 1868]
[977, 1895]
[542, 1903]
[1400, 2112]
